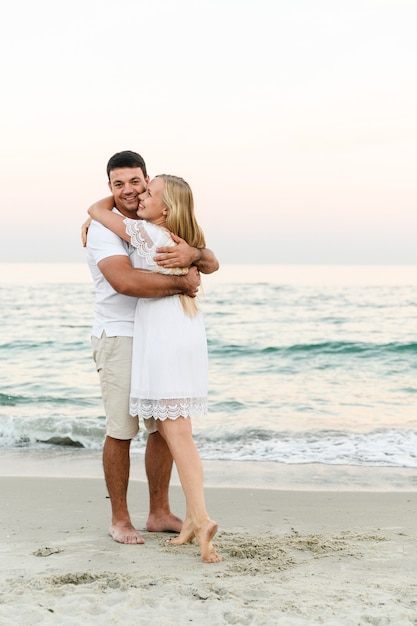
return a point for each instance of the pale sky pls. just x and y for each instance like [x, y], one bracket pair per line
[294, 121]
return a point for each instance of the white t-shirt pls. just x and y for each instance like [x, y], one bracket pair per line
[114, 313]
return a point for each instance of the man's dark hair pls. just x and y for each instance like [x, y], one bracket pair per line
[127, 158]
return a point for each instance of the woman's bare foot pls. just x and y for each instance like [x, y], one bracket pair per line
[123, 532]
[186, 535]
[204, 536]
[167, 523]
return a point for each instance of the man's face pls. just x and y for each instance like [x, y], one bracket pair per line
[126, 183]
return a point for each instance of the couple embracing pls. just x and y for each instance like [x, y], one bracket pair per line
[145, 250]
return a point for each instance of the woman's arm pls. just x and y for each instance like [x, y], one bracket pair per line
[101, 211]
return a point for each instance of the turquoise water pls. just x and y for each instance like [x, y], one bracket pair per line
[307, 364]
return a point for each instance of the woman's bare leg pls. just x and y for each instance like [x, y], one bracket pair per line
[178, 435]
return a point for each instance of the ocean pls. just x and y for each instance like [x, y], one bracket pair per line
[310, 367]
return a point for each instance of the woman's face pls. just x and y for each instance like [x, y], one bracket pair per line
[151, 207]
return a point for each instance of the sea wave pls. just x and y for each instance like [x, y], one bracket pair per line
[11, 400]
[327, 347]
[380, 447]
[51, 431]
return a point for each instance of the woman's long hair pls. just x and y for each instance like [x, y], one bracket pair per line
[178, 198]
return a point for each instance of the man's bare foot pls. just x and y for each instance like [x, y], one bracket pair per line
[204, 536]
[123, 532]
[167, 523]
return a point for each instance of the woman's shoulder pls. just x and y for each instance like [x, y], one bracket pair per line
[155, 231]
[146, 235]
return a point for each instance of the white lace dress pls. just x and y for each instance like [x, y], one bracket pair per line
[169, 359]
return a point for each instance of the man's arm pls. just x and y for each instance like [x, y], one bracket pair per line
[205, 261]
[184, 255]
[125, 279]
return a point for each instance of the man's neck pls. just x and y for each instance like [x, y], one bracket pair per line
[131, 214]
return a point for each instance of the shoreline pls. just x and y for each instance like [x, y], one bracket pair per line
[297, 558]
[221, 474]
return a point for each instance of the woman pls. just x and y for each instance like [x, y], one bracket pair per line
[169, 363]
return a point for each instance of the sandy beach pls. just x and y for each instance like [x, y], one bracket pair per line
[290, 557]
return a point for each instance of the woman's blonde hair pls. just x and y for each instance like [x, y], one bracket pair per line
[178, 198]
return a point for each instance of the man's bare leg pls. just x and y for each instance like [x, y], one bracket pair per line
[158, 464]
[116, 464]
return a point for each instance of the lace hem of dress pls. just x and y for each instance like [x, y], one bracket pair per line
[168, 409]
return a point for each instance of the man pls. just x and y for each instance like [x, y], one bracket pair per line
[117, 286]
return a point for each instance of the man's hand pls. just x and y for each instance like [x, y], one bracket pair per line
[183, 255]
[191, 282]
[84, 231]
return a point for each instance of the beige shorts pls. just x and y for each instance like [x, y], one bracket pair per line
[113, 359]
